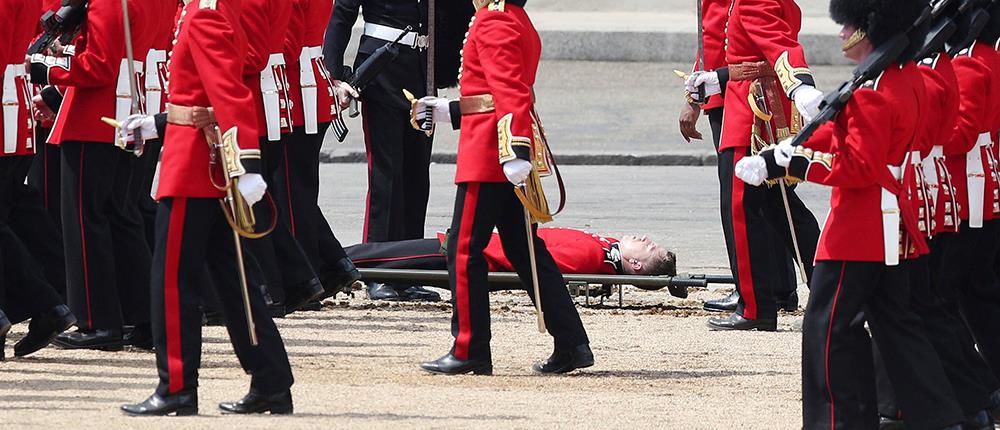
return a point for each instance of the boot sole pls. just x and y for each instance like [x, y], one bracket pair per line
[751, 328]
[480, 371]
[273, 409]
[185, 411]
[111, 347]
[69, 323]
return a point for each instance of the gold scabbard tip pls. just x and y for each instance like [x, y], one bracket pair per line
[111, 122]
[681, 74]
[409, 96]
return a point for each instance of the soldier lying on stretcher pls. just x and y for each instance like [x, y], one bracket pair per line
[574, 251]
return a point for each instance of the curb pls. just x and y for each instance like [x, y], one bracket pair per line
[565, 159]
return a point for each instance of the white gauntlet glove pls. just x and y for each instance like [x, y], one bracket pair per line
[517, 170]
[252, 187]
[709, 79]
[752, 170]
[807, 100]
[442, 110]
[783, 153]
[146, 125]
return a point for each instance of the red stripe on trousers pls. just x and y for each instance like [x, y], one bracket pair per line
[368, 154]
[83, 244]
[408, 257]
[826, 358]
[288, 190]
[743, 270]
[171, 295]
[462, 272]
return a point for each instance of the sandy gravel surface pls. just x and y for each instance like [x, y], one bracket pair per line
[355, 367]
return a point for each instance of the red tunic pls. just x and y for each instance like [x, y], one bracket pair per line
[761, 30]
[265, 23]
[574, 251]
[975, 89]
[92, 72]
[304, 45]
[876, 128]
[500, 58]
[206, 66]
[17, 28]
[942, 105]
[162, 31]
[714, 14]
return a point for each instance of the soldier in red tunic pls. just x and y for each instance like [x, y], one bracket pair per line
[496, 146]
[296, 179]
[766, 59]
[574, 251]
[205, 67]
[24, 290]
[107, 257]
[868, 241]
[715, 14]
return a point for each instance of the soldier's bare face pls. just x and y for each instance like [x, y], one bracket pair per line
[641, 249]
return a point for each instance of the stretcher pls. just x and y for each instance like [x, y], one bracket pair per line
[586, 285]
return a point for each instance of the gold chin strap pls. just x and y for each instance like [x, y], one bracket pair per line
[854, 40]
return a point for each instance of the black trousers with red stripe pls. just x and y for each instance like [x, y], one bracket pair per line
[107, 257]
[479, 207]
[44, 174]
[398, 171]
[834, 393]
[296, 190]
[753, 220]
[285, 266]
[24, 289]
[949, 336]
[417, 254]
[191, 234]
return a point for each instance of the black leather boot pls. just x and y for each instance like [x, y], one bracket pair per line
[567, 360]
[4, 328]
[43, 329]
[104, 340]
[788, 303]
[412, 293]
[382, 291]
[450, 365]
[725, 304]
[298, 295]
[982, 420]
[253, 403]
[141, 337]
[180, 404]
[736, 321]
[339, 277]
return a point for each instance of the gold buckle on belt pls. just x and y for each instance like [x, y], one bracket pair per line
[194, 116]
[476, 104]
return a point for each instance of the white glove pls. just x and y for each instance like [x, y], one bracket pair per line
[517, 170]
[442, 110]
[146, 125]
[252, 187]
[783, 152]
[752, 170]
[709, 79]
[807, 99]
[345, 92]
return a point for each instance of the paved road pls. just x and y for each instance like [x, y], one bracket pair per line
[603, 108]
[675, 205]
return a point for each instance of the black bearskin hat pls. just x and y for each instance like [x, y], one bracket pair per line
[880, 19]
[451, 22]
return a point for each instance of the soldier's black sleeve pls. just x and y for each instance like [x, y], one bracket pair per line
[161, 125]
[338, 35]
[456, 114]
[52, 97]
[723, 73]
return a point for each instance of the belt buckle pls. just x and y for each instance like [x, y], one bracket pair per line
[420, 42]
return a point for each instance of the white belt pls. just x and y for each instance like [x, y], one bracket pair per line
[123, 95]
[976, 181]
[890, 220]
[929, 166]
[11, 106]
[389, 34]
[153, 86]
[271, 90]
[307, 82]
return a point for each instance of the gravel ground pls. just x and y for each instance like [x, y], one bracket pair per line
[355, 362]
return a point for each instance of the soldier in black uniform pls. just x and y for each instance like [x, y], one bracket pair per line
[398, 155]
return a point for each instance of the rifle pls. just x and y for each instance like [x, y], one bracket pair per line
[884, 55]
[61, 25]
[363, 76]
